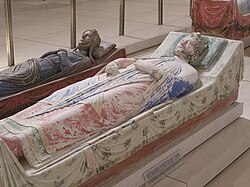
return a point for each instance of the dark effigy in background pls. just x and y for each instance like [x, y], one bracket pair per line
[228, 19]
[30, 81]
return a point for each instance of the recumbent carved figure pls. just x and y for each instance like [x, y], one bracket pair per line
[127, 87]
[53, 65]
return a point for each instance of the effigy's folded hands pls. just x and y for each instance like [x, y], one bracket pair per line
[149, 69]
[112, 69]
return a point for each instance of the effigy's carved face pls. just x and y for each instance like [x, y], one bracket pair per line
[190, 48]
[186, 45]
[86, 40]
[89, 38]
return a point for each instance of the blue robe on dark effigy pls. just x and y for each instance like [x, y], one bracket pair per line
[35, 71]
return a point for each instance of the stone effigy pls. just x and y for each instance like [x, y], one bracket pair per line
[28, 82]
[229, 19]
[53, 65]
[133, 104]
[127, 88]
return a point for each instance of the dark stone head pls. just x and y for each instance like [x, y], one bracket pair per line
[90, 39]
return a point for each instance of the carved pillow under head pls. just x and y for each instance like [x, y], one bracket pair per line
[103, 49]
[215, 50]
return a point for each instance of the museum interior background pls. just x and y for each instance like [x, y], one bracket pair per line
[40, 26]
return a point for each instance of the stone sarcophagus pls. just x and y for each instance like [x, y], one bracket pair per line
[223, 18]
[111, 151]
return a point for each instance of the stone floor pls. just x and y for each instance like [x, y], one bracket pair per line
[247, 51]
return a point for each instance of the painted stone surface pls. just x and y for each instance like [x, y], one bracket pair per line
[217, 87]
[12, 104]
[224, 18]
